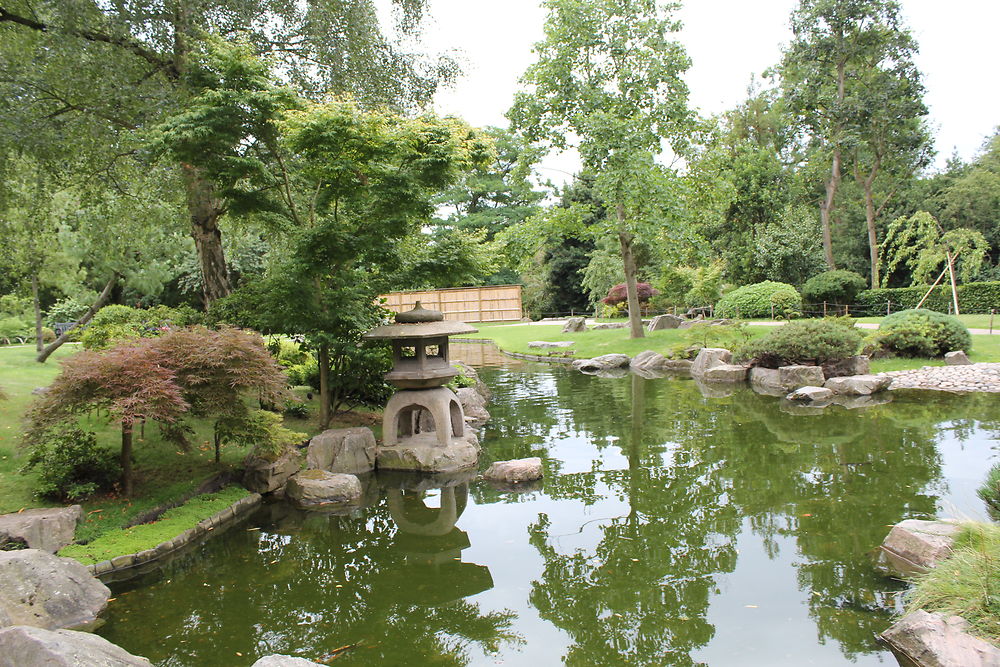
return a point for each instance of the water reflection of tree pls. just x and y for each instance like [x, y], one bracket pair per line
[342, 581]
[832, 482]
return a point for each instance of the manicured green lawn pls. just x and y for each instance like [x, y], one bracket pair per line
[671, 341]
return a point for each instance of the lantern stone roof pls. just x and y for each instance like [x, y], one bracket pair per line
[419, 323]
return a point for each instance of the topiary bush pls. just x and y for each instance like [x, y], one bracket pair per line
[813, 342]
[757, 300]
[923, 333]
[71, 465]
[837, 287]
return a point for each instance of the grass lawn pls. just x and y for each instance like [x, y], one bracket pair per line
[163, 473]
[669, 341]
[972, 321]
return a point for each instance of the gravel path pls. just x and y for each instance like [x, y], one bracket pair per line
[983, 377]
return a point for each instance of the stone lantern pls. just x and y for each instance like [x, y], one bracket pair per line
[423, 426]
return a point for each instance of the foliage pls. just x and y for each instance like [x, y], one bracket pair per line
[70, 465]
[760, 300]
[923, 333]
[262, 430]
[618, 294]
[706, 334]
[833, 287]
[967, 583]
[171, 523]
[919, 243]
[115, 323]
[787, 249]
[972, 298]
[813, 342]
[990, 492]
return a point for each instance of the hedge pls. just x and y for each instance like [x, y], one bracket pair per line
[972, 298]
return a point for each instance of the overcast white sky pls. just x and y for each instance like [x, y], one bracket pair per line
[728, 42]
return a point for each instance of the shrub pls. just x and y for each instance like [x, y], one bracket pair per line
[115, 323]
[260, 429]
[978, 297]
[757, 300]
[14, 327]
[923, 333]
[840, 287]
[65, 310]
[304, 374]
[990, 492]
[805, 342]
[618, 293]
[71, 465]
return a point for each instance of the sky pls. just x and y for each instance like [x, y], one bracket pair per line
[729, 42]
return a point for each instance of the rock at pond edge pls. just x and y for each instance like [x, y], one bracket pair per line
[343, 450]
[48, 529]
[933, 640]
[514, 471]
[45, 591]
[321, 487]
[25, 646]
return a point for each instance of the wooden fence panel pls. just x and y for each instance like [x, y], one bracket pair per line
[494, 303]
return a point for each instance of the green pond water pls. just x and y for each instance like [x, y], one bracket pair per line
[672, 528]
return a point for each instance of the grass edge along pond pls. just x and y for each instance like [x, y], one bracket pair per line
[668, 342]
[173, 522]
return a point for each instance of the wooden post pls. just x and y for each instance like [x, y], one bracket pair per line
[824, 309]
[932, 288]
[992, 311]
[772, 311]
[954, 287]
[888, 307]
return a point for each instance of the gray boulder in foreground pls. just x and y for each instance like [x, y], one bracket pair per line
[575, 324]
[48, 529]
[710, 357]
[24, 646]
[514, 471]
[605, 362]
[665, 322]
[647, 360]
[284, 661]
[726, 373]
[321, 487]
[343, 450]
[956, 358]
[934, 640]
[45, 591]
[922, 544]
[262, 475]
[858, 385]
[810, 394]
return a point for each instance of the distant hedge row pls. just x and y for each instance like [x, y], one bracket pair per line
[972, 298]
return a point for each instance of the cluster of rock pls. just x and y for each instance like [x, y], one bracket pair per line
[657, 323]
[984, 377]
[923, 638]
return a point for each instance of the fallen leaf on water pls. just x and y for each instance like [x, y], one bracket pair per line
[807, 514]
[751, 606]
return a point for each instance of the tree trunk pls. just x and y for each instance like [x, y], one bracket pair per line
[39, 344]
[205, 209]
[323, 357]
[870, 220]
[628, 260]
[126, 460]
[96, 306]
[826, 208]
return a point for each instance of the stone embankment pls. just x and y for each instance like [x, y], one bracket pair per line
[983, 377]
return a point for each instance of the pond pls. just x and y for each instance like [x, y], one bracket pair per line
[672, 528]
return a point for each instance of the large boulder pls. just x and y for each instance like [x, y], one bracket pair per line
[858, 385]
[320, 487]
[665, 322]
[956, 358]
[780, 381]
[605, 362]
[919, 544]
[575, 324]
[343, 450]
[677, 365]
[24, 646]
[609, 325]
[514, 471]
[265, 475]
[934, 640]
[48, 529]
[810, 395]
[474, 407]
[647, 360]
[856, 365]
[426, 454]
[710, 357]
[284, 661]
[471, 373]
[726, 373]
[45, 591]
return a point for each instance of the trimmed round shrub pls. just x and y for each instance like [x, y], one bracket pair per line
[838, 287]
[814, 342]
[923, 333]
[756, 301]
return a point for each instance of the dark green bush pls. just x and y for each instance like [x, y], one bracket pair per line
[813, 342]
[757, 300]
[923, 333]
[71, 465]
[837, 287]
[115, 323]
[990, 492]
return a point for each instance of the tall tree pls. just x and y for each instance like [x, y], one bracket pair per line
[125, 64]
[849, 77]
[608, 78]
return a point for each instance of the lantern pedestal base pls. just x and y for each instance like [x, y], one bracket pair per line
[424, 453]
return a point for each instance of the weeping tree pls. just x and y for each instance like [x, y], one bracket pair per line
[608, 80]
